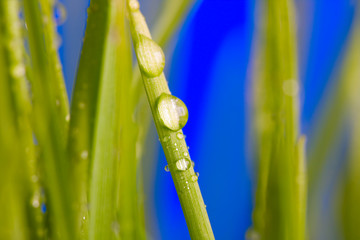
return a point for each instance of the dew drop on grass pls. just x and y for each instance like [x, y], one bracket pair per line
[194, 178]
[290, 88]
[172, 111]
[167, 168]
[60, 13]
[150, 56]
[18, 71]
[34, 178]
[134, 5]
[251, 234]
[179, 135]
[186, 154]
[166, 138]
[84, 154]
[183, 164]
[81, 105]
[36, 201]
[115, 226]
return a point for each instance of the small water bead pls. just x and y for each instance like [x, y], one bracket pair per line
[134, 5]
[180, 135]
[291, 87]
[251, 234]
[34, 178]
[115, 226]
[150, 56]
[67, 118]
[81, 105]
[186, 154]
[167, 168]
[18, 71]
[36, 201]
[166, 138]
[84, 154]
[60, 13]
[172, 111]
[194, 178]
[183, 164]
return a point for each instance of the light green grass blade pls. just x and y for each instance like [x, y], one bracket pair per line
[13, 176]
[169, 124]
[84, 105]
[279, 194]
[113, 192]
[14, 53]
[351, 194]
[49, 116]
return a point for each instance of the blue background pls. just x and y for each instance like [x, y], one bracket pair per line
[208, 68]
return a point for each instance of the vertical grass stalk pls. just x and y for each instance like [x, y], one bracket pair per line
[49, 116]
[170, 115]
[281, 192]
[351, 195]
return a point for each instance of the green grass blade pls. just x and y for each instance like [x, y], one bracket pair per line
[84, 105]
[13, 177]
[15, 53]
[113, 199]
[278, 195]
[351, 194]
[151, 62]
[49, 118]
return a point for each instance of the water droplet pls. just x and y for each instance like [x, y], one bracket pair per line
[45, 19]
[251, 234]
[34, 178]
[84, 218]
[179, 135]
[60, 13]
[186, 154]
[197, 174]
[36, 201]
[84, 154]
[67, 118]
[183, 164]
[193, 163]
[58, 41]
[134, 5]
[167, 168]
[194, 178]
[81, 105]
[166, 138]
[291, 87]
[150, 56]
[18, 71]
[173, 112]
[115, 226]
